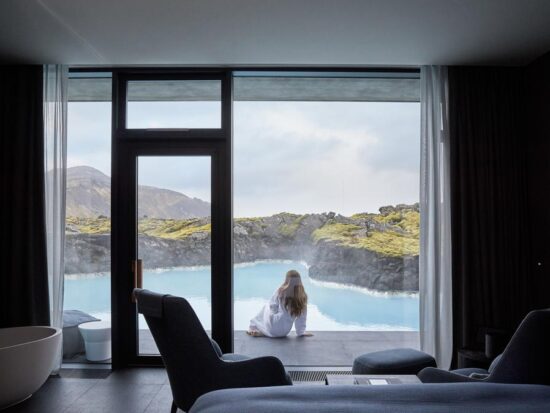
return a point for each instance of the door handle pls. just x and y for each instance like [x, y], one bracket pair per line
[137, 270]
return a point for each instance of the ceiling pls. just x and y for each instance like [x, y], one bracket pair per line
[274, 32]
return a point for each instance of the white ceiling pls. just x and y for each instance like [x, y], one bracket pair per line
[274, 32]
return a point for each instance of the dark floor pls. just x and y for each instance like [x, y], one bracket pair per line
[137, 390]
[143, 390]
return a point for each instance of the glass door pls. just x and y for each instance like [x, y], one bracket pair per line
[174, 240]
[171, 213]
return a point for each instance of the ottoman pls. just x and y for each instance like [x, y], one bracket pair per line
[97, 340]
[395, 361]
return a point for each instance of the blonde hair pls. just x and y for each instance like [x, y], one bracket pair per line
[293, 293]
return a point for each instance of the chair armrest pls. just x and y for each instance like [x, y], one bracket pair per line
[256, 372]
[433, 375]
[217, 348]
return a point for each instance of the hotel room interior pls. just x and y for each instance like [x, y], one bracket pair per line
[164, 164]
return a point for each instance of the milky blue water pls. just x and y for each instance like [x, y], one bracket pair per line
[331, 307]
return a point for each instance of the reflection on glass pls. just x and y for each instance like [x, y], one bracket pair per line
[174, 104]
[174, 233]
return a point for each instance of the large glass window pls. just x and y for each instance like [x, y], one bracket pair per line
[87, 294]
[326, 182]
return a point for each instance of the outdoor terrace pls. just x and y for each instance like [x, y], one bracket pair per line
[325, 348]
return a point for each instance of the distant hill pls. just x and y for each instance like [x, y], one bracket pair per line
[89, 196]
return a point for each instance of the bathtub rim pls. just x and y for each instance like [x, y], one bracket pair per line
[57, 331]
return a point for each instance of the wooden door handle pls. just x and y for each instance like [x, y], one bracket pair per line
[137, 270]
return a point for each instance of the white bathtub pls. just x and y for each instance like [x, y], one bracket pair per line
[27, 355]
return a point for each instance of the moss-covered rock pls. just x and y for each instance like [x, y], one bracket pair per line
[377, 251]
[396, 235]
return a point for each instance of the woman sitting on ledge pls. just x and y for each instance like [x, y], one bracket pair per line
[287, 306]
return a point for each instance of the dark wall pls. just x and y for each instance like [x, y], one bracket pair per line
[537, 122]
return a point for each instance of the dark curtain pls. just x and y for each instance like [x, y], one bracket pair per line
[492, 285]
[23, 266]
[537, 79]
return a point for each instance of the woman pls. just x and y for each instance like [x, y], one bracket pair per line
[287, 306]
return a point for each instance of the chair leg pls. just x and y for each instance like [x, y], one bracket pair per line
[174, 408]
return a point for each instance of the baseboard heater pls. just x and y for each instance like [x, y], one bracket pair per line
[314, 375]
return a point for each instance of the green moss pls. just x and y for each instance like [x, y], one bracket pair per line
[252, 219]
[388, 243]
[288, 230]
[411, 223]
[287, 215]
[344, 233]
[172, 228]
[94, 226]
[364, 215]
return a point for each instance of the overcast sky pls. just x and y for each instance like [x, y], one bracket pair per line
[299, 157]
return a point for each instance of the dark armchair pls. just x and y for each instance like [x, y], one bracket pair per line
[526, 359]
[194, 362]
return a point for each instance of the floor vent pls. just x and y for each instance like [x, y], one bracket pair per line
[313, 375]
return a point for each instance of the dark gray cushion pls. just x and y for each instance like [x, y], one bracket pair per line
[73, 318]
[403, 398]
[234, 357]
[494, 363]
[470, 370]
[395, 361]
[216, 347]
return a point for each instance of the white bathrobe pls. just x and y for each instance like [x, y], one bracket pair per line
[275, 321]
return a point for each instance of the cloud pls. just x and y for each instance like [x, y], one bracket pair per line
[301, 157]
[89, 135]
[315, 156]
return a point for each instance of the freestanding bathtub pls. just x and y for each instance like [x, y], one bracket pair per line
[27, 355]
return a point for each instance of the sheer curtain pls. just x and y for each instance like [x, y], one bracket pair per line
[55, 160]
[435, 218]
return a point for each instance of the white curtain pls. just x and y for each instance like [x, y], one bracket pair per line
[435, 218]
[55, 156]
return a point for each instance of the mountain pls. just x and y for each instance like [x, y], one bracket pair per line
[89, 196]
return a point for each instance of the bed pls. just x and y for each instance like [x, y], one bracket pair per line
[419, 398]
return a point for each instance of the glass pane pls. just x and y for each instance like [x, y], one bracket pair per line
[174, 233]
[87, 294]
[174, 104]
[329, 189]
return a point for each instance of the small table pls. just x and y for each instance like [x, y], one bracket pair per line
[370, 379]
[97, 340]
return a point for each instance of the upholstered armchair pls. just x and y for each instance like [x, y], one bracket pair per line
[195, 363]
[526, 359]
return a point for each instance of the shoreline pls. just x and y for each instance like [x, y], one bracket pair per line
[326, 284]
